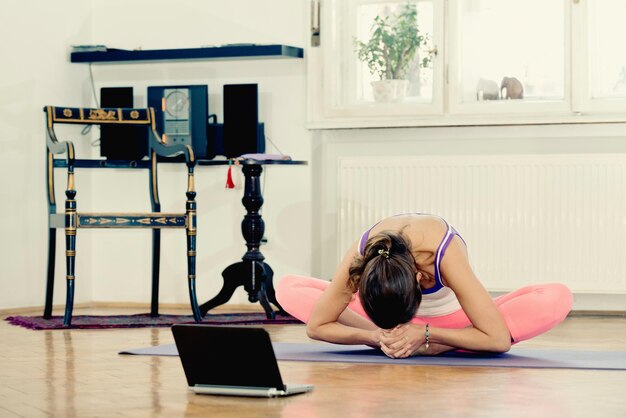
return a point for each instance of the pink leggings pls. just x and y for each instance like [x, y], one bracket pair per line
[528, 312]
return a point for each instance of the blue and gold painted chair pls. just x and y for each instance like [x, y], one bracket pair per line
[73, 220]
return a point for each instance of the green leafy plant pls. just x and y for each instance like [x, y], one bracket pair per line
[393, 44]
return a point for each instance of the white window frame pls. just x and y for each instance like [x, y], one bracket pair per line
[446, 108]
[584, 103]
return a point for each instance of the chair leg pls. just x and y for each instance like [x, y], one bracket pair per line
[70, 249]
[191, 274]
[69, 303]
[197, 316]
[70, 255]
[52, 241]
[156, 263]
[191, 211]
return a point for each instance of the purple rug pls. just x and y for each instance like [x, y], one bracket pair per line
[145, 320]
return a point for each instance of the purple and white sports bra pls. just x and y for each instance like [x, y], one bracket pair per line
[439, 299]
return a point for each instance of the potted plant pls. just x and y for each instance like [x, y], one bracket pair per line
[394, 43]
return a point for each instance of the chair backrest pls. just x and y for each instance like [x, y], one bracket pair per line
[88, 116]
[114, 116]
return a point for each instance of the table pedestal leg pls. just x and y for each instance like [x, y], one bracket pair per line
[256, 278]
[252, 272]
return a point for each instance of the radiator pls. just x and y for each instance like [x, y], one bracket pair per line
[525, 218]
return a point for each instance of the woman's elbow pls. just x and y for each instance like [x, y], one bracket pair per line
[501, 344]
[312, 332]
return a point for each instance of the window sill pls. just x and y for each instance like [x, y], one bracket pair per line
[465, 120]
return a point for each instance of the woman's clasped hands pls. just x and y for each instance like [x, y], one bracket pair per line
[403, 340]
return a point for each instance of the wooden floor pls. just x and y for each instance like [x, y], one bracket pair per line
[78, 373]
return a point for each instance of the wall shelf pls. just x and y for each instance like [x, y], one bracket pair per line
[226, 52]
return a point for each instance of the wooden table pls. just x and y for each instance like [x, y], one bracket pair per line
[252, 272]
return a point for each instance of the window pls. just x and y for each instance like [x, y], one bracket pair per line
[417, 73]
[608, 56]
[479, 61]
[413, 84]
[493, 55]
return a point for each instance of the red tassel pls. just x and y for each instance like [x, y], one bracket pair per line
[229, 179]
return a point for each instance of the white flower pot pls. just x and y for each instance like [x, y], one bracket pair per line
[384, 90]
[389, 90]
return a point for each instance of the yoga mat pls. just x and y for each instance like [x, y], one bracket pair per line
[517, 357]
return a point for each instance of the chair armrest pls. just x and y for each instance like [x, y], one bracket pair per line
[57, 147]
[52, 143]
[164, 149]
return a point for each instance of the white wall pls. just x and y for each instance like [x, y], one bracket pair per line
[281, 106]
[114, 265]
[35, 71]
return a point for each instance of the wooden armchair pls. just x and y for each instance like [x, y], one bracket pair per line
[72, 219]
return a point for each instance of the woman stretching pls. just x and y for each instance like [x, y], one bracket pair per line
[407, 287]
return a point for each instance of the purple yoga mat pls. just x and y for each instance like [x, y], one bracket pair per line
[516, 358]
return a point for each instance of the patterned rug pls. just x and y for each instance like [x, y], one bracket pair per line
[145, 320]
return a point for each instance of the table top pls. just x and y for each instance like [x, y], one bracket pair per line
[251, 161]
[103, 163]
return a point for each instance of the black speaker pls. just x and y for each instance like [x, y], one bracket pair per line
[241, 120]
[121, 142]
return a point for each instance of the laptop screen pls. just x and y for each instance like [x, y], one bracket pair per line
[227, 356]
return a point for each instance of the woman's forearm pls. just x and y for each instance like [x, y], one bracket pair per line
[334, 332]
[470, 338]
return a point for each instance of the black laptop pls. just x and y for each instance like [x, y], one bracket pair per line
[237, 361]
